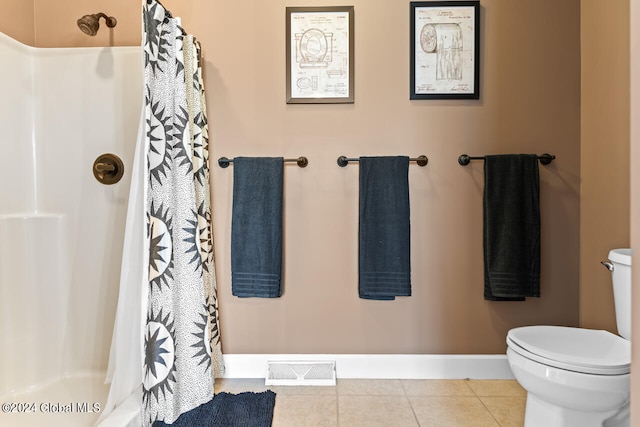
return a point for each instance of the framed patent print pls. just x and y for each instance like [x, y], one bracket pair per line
[445, 42]
[319, 52]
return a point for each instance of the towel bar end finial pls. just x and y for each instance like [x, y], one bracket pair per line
[302, 162]
[464, 159]
[223, 162]
[546, 158]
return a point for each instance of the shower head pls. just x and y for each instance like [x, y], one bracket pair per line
[89, 24]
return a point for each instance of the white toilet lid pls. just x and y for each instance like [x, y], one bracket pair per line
[577, 349]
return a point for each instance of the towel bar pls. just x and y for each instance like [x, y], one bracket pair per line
[302, 161]
[344, 160]
[464, 159]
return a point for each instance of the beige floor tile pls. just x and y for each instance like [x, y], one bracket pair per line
[375, 411]
[392, 403]
[508, 411]
[305, 390]
[496, 388]
[239, 385]
[305, 411]
[436, 388]
[369, 387]
[451, 411]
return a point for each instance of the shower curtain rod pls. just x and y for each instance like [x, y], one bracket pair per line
[344, 160]
[302, 161]
[464, 159]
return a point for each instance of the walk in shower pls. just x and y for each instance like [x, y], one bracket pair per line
[61, 231]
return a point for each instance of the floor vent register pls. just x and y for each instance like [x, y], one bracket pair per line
[301, 373]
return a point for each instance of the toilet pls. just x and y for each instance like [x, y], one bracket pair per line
[577, 377]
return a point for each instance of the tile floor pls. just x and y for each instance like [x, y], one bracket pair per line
[393, 403]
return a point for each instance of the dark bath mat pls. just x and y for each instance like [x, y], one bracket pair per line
[230, 410]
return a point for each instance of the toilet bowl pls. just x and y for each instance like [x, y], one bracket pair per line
[577, 377]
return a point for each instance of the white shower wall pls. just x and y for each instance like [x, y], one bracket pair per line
[61, 231]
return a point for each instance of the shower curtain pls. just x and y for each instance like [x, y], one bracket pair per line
[167, 306]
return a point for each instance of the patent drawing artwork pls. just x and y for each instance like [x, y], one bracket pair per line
[444, 50]
[320, 55]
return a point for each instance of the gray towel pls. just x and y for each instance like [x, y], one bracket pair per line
[384, 228]
[256, 227]
[511, 229]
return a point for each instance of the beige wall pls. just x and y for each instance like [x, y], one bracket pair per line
[604, 193]
[610, 191]
[635, 201]
[530, 102]
[56, 23]
[16, 20]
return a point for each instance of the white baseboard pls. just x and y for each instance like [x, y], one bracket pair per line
[382, 366]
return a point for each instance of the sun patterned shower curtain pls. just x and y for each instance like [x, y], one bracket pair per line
[181, 320]
[167, 306]
[200, 144]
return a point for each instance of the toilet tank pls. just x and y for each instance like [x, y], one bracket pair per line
[621, 278]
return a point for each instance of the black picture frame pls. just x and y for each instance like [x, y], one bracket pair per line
[319, 55]
[445, 50]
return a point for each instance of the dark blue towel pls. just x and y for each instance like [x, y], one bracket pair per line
[384, 228]
[230, 410]
[256, 227]
[511, 229]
